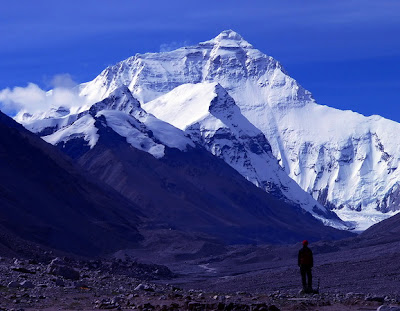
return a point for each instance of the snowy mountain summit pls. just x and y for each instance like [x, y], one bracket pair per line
[243, 107]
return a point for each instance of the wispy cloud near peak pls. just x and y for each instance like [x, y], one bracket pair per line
[33, 99]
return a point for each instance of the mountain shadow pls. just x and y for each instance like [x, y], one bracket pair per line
[46, 199]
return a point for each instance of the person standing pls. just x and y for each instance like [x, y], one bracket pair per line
[306, 262]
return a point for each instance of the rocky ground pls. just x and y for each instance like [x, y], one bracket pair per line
[65, 283]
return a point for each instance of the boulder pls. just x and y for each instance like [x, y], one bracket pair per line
[143, 287]
[57, 261]
[375, 298]
[64, 271]
[27, 284]
[13, 284]
[80, 284]
[59, 282]
[388, 308]
[22, 270]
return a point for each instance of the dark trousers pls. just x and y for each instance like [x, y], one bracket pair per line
[305, 270]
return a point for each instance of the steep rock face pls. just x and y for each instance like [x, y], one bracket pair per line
[344, 159]
[347, 161]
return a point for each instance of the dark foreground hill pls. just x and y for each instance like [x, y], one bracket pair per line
[386, 231]
[46, 199]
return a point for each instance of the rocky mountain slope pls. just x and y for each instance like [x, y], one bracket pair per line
[346, 161]
[45, 199]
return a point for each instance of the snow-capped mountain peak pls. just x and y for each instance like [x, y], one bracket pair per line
[225, 85]
[228, 39]
[227, 59]
[120, 99]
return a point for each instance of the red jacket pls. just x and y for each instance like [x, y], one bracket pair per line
[305, 257]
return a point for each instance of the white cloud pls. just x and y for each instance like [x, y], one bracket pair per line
[63, 80]
[167, 47]
[33, 99]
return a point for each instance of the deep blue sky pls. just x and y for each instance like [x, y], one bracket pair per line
[346, 52]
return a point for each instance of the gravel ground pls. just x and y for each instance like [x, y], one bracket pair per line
[368, 270]
[241, 278]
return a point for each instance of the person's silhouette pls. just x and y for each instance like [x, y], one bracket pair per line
[306, 262]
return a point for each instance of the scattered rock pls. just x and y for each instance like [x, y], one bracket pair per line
[27, 284]
[64, 271]
[81, 284]
[114, 291]
[375, 298]
[117, 300]
[194, 306]
[388, 308]
[59, 282]
[57, 261]
[13, 284]
[144, 287]
[23, 270]
[148, 307]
